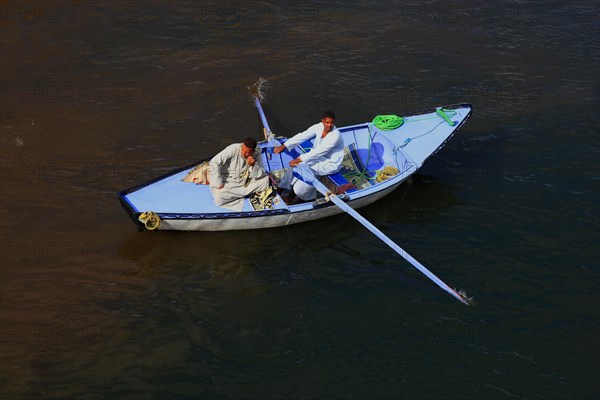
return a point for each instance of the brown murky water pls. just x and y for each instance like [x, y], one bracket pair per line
[100, 96]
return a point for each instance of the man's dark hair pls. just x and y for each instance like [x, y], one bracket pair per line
[250, 143]
[328, 114]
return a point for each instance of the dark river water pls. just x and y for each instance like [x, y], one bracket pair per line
[97, 97]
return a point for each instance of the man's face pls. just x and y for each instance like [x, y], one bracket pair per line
[246, 151]
[328, 123]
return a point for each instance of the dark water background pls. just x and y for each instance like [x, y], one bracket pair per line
[101, 96]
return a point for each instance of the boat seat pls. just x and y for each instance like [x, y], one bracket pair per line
[339, 179]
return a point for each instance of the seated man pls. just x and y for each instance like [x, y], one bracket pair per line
[237, 172]
[324, 158]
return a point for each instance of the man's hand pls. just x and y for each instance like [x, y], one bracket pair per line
[250, 160]
[221, 187]
[279, 149]
[295, 162]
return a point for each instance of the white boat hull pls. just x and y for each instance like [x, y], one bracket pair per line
[183, 206]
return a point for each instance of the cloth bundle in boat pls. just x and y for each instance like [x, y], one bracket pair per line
[198, 175]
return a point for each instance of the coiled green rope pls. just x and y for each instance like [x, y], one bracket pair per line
[387, 122]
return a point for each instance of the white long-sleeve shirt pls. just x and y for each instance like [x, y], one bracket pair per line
[327, 153]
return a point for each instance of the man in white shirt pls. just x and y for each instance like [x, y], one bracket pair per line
[324, 158]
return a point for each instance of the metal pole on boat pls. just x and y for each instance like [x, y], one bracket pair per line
[269, 137]
[267, 130]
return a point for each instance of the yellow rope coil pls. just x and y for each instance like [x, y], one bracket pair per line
[150, 219]
[386, 173]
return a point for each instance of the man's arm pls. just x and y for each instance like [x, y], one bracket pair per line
[297, 139]
[324, 149]
[216, 166]
[258, 168]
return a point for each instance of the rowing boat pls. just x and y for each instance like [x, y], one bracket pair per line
[371, 152]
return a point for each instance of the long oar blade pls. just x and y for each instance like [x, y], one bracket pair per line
[307, 175]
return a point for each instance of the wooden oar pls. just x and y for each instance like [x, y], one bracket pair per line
[306, 174]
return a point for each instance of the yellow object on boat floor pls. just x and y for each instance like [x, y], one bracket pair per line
[386, 173]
